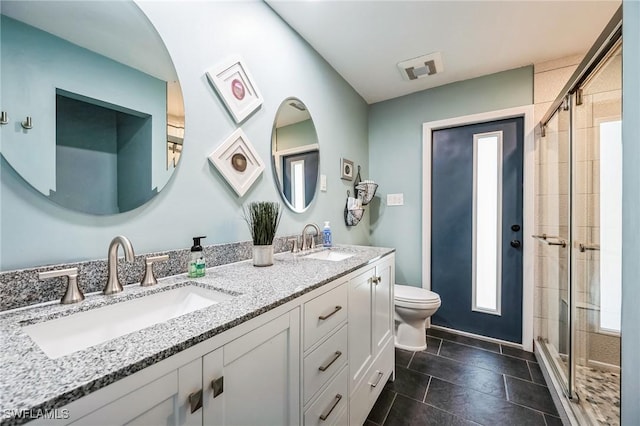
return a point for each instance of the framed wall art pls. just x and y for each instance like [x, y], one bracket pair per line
[346, 169]
[236, 87]
[238, 162]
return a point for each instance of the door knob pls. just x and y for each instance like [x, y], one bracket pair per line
[515, 243]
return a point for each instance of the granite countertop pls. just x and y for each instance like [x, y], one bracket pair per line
[29, 380]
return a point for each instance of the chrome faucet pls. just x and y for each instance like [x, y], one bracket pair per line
[113, 283]
[312, 244]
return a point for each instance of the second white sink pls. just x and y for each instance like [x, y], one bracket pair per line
[65, 335]
[334, 256]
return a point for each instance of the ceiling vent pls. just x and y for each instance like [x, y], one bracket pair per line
[423, 66]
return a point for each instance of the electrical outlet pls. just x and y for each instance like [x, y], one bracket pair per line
[395, 199]
[323, 183]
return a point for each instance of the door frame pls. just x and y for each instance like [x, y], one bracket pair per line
[528, 198]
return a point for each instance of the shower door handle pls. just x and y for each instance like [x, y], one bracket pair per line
[515, 243]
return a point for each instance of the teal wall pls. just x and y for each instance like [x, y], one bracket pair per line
[295, 135]
[86, 159]
[630, 409]
[35, 65]
[197, 200]
[395, 154]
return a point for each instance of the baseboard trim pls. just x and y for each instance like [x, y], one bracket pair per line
[478, 336]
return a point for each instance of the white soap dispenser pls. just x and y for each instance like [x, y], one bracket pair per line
[326, 235]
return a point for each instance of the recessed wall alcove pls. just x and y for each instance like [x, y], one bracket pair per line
[103, 155]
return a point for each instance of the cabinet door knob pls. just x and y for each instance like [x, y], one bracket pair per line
[376, 280]
[218, 386]
[331, 361]
[195, 401]
[324, 416]
[324, 317]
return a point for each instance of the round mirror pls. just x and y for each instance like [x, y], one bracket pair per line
[92, 110]
[295, 154]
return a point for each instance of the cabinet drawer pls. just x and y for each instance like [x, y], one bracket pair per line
[327, 409]
[365, 395]
[323, 314]
[321, 364]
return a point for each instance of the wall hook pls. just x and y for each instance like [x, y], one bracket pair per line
[4, 118]
[27, 124]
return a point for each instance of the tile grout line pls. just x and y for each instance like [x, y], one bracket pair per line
[530, 372]
[506, 389]
[411, 359]
[384, 419]
[424, 399]
[543, 413]
[442, 339]
[484, 368]
[439, 347]
[471, 346]
[459, 416]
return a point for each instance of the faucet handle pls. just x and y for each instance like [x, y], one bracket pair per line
[148, 278]
[73, 294]
[294, 247]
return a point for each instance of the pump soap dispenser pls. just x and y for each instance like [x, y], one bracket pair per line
[196, 267]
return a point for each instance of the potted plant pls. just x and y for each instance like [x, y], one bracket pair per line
[263, 218]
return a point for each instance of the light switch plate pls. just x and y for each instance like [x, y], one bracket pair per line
[323, 183]
[395, 199]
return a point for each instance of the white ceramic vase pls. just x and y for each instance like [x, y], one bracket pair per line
[263, 255]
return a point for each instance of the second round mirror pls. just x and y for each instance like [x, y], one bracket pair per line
[295, 154]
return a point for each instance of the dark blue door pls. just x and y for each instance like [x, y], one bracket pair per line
[476, 237]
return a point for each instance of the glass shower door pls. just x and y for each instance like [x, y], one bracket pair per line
[597, 236]
[552, 232]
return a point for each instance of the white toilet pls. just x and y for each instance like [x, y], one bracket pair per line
[413, 306]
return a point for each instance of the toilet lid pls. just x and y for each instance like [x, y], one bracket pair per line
[407, 293]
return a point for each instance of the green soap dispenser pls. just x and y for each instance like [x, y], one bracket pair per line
[196, 267]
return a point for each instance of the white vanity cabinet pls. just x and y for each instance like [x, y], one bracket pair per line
[320, 359]
[255, 379]
[371, 349]
[326, 354]
[252, 379]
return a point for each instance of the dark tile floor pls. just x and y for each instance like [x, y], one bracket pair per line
[459, 380]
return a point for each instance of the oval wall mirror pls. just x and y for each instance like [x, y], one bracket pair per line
[295, 154]
[93, 107]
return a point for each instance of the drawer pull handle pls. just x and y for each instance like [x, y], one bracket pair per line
[327, 365]
[195, 401]
[324, 317]
[380, 374]
[324, 416]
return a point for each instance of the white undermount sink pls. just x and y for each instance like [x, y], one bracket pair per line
[334, 256]
[65, 335]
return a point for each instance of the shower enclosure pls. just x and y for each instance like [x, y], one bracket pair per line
[579, 235]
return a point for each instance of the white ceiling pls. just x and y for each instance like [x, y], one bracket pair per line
[364, 40]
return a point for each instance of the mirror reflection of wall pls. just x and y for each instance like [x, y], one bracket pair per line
[102, 139]
[295, 154]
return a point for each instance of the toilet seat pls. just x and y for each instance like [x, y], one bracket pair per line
[415, 297]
